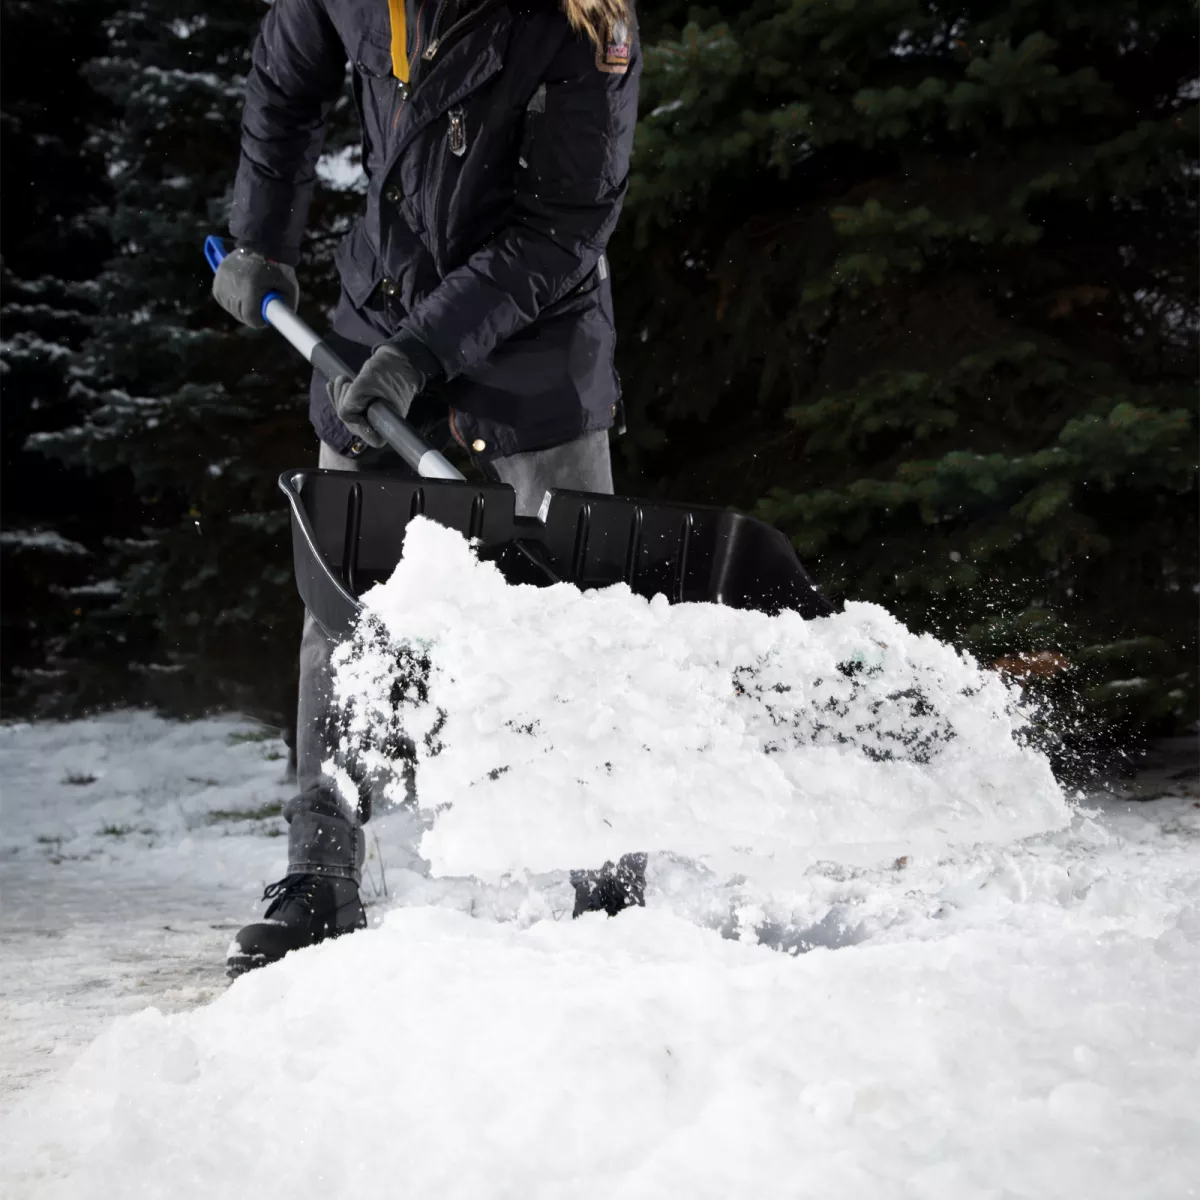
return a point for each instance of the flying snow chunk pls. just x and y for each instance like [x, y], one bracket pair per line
[551, 728]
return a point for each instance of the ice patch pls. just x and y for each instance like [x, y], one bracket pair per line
[552, 728]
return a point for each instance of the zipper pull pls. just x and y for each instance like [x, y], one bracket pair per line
[432, 50]
[458, 132]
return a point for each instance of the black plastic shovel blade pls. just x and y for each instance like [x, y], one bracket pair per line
[348, 534]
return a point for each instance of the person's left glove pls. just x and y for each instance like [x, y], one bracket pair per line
[390, 375]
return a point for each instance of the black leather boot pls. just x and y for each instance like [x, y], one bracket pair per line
[611, 888]
[305, 910]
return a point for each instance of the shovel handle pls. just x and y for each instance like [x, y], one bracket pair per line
[397, 432]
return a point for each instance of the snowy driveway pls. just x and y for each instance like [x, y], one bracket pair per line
[1012, 1020]
[130, 847]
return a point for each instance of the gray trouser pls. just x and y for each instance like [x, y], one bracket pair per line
[324, 835]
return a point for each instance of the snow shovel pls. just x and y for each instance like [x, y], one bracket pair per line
[348, 526]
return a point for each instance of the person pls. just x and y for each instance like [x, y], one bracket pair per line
[496, 142]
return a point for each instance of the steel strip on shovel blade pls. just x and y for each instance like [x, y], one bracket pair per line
[348, 534]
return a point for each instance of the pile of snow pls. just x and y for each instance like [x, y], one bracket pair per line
[552, 728]
[880, 956]
[1028, 1030]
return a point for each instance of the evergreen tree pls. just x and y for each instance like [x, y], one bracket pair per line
[921, 281]
[53, 245]
[202, 413]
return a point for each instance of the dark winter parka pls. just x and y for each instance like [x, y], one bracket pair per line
[495, 178]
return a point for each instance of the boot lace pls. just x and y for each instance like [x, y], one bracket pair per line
[298, 888]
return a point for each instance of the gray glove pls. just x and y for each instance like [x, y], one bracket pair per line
[390, 375]
[245, 277]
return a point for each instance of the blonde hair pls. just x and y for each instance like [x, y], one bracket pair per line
[596, 17]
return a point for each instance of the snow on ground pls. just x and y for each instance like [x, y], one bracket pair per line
[129, 847]
[1015, 1021]
[1003, 1009]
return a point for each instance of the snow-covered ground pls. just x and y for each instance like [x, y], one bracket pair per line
[1009, 1021]
[130, 846]
[1006, 1009]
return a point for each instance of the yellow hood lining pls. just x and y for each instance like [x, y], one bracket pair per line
[593, 17]
[399, 39]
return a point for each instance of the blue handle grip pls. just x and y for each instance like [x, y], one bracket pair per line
[214, 251]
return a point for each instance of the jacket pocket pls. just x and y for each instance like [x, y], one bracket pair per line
[587, 295]
[452, 131]
[431, 216]
[529, 126]
[376, 94]
[357, 264]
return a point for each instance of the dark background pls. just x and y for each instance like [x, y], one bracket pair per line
[917, 283]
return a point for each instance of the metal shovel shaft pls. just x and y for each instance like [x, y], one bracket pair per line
[399, 435]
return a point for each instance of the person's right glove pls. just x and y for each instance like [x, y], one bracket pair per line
[389, 374]
[245, 277]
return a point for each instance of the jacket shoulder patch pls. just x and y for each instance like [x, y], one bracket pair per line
[613, 57]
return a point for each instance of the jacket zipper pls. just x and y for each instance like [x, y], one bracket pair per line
[403, 89]
[458, 131]
[454, 431]
[431, 50]
[437, 43]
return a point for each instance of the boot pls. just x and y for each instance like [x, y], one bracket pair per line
[611, 888]
[305, 910]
